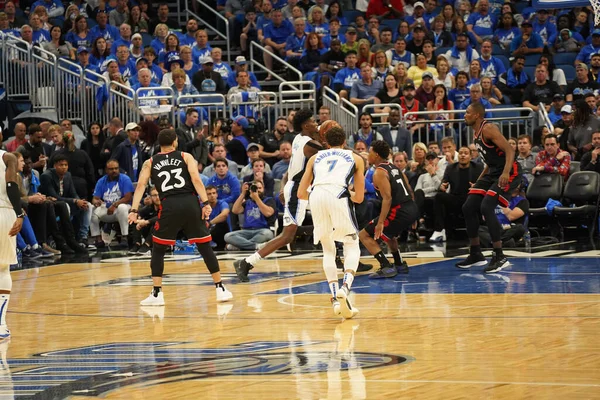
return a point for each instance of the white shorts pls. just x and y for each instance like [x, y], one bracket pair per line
[332, 217]
[8, 244]
[295, 209]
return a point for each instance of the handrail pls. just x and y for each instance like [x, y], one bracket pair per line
[298, 90]
[545, 117]
[376, 114]
[219, 16]
[261, 49]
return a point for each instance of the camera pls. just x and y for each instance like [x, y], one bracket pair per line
[225, 125]
[253, 188]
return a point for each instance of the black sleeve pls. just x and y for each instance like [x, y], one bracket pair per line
[203, 159]
[523, 205]
[270, 202]
[146, 212]
[197, 81]
[570, 87]
[528, 94]
[220, 84]
[586, 162]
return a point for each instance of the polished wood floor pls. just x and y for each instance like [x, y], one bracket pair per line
[436, 333]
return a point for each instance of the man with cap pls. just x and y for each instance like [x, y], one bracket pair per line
[585, 55]
[83, 59]
[129, 153]
[417, 17]
[351, 40]
[385, 9]
[425, 92]
[345, 78]
[481, 23]
[415, 45]
[253, 153]
[172, 63]
[276, 34]
[544, 27]
[461, 54]
[207, 80]
[528, 42]
[244, 93]
[582, 84]
[137, 46]
[237, 141]
[562, 127]
[410, 104]
[241, 65]
[558, 101]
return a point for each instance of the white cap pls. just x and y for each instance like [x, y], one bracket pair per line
[132, 125]
[419, 4]
[567, 109]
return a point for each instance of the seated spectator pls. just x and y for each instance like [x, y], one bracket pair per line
[317, 22]
[415, 44]
[476, 96]
[445, 76]
[80, 165]
[346, 77]
[20, 132]
[324, 115]
[124, 62]
[253, 153]
[552, 160]
[351, 42]
[558, 102]
[440, 102]
[296, 44]
[385, 9]
[281, 166]
[581, 85]
[137, 20]
[55, 133]
[511, 217]
[334, 11]
[506, 30]
[399, 54]
[334, 33]
[162, 17]
[189, 66]
[491, 66]
[242, 93]
[589, 161]
[474, 73]
[461, 54]
[259, 214]
[201, 49]
[129, 154]
[191, 139]
[426, 188]
[57, 183]
[460, 93]
[142, 230]
[566, 43]
[228, 186]
[409, 103]
[585, 55]
[555, 74]
[385, 42]
[425, 93]
[482, 22]
[438, 35]
[241, 65]
[207, 80]
[57, 45]
[434, 147]
[219, 66]
[417, 72]
[276, 34]
[449, 154]
[417, 164]
[173, 63]
[395, 135]
[366, 133]
[112, 202]
[545, 27]
[580, 133]
[528, 42]
[219, 151]
[453, 191]
[333, 60]
[364, 90]
[35, 147]
[400, 160]
[259, 173]
[269, 143]
[312, 54]
[490, 92]
[525, 157]
[514, 81]
[123, 40]
[249, 30]
[104, 30]
[218, 217]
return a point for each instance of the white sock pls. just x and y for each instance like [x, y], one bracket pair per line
[254, 258]
[348, 279]
[35, 246]
[334, 288]
[4, 299]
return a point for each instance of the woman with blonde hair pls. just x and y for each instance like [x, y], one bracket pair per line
[474, 73]
[364, 52]
[70, 15]
[444, 77]
[316, 22]
[42, 12]
[490, 92]
[417, 164]
[401, 75]
[160, 37]
[381, 67]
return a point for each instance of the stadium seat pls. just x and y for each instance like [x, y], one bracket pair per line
[569, 71]
[497, 50]
[440, 50]
[543, 187]
[532, 60]
[565, 58]
[504, 60]
[91, 23]
[520, 6]
[575, 167]
[530, 71]
[352, 14]
[580, 201]
[146, 39]
[392, 23]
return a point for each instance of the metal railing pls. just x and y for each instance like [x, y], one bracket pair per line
[225, 35]
[92, 83]
[259, 104]
[262, 50]
[120, 102]
[152, 102]
[70, 81]
[214, 105]
[378, 114]
[44, 80]
[544, 119]
[348, 116]
[300, 93]
[17, 66]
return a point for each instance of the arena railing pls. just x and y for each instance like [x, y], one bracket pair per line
[299, 93]
[92, 83]
[44, 80]
[225, 36]
[3, 56]
[17, 66]
[149, 104]
[544, 118]
[260, 105]
[332, 100]
[257, 49]
[120, 102]
[70, 83]
[348, 116]
[214, 105]
[372, 109]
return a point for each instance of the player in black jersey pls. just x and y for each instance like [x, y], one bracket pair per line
[398, 211]
[175, 176]
[501, 175]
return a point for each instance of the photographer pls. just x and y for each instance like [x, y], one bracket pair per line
[259, 214]
[260, 173]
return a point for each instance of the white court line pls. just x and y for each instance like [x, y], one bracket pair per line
[367, 380]
[568, 281]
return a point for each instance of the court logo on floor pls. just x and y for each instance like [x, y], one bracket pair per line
[199, 279]
[96, 370]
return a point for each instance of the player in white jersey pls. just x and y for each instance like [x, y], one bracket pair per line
[303, 147]
[332, 205]
[11, 220]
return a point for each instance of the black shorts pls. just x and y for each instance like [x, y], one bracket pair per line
[399, 219]
[488, 184]
[180, 213]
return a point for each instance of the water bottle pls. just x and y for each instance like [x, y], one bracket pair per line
[527, 239]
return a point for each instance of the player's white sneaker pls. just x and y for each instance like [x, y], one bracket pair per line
[153, 301]
[337, 310]
[4, 332]
[347, 310]
[223, 294]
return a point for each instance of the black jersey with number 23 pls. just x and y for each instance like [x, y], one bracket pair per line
[170, 174]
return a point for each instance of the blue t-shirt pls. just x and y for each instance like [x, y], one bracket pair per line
[198, 53]
[40, 36]
[128, 69]
[77, 41]
[113, 191]
[492, 68]
[117, 43]
[253, 218]
[224, 69]
[458, 96]
[547, 31]
[406, 59]
[585, 55]
[534, 42]
[321, 29]
[148, 93]
[109, 33]
[295, 44]
[347, 77]
[218, 208]
[483, 25]
[486, 104]
[279, 34]
[506, 36]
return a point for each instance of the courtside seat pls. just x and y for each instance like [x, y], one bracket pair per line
[575, 167]
[543, 187]
[580, 201]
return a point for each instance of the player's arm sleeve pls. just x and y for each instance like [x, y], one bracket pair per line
[12, 188]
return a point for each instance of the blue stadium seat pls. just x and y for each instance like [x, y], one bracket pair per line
[392, 23]
[532, 60]
[91, 22]
[565, 58]
[352, 14]
[520, 6]
[146, 39]
[504, 60]
[440, 50]
[569, 71]
[530, 71]
[498, 50]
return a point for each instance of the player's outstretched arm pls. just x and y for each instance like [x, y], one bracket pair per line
[359, 180]
[12, 191]
[143, 180]
[307, 179]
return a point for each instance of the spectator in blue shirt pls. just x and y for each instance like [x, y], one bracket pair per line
[126, 64]
[295, 44]
[124, 40]
[491, 66]
[460, 93]
[506, 31]
[543, 26]
[481, 24]
[345, 77]
[528, 43]
[317, 22]
[145, 81]
[201, 49]
[55, 8]
[364, 90]
[242, 65]
[228, 186]
[476, 95]
[281, 167]
[585, 55]
[276, 35]
[108, 32]
[129, 153]
[430, 13]
[80, 35]
[112, 202]
[218, 217]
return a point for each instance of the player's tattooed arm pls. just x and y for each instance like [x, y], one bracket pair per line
[307, 179]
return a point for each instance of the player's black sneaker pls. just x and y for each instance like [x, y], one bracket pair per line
[242, 267]
[363, 267]
[385, 272]
[474, 260]
[402, 268]
[339, 263]
[496, 264]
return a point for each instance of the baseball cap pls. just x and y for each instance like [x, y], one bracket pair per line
[251, 145]
[351, 30]
[141, 59]
[567, 109]
[240, 60]
[418, 4]
[82, 49]
[206, 60]
[418, 27]
[132, 125]
[136, 36]
[241, 121]
[558, 96]
[542, 10]
[431, 154]
[582, 65]
[596, 32]
[427, 75]
[526, 23]
[408, 85]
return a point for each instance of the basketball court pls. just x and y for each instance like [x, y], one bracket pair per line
[530, 331]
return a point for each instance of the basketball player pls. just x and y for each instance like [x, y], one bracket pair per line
[331, 204]
[11, 220]
[303, 147]
[501, 175]
[398, 211]
[176, 177]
